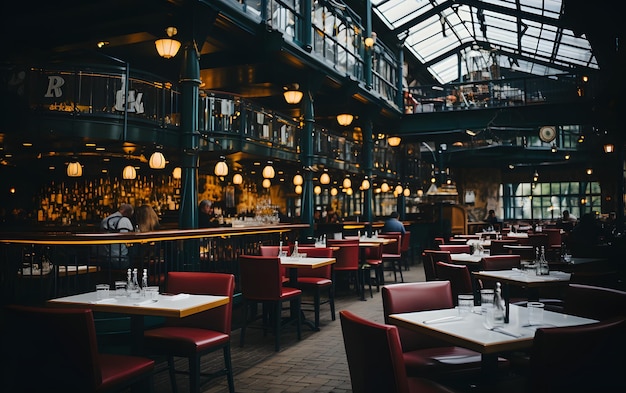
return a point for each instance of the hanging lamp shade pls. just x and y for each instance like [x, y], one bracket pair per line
[267, 183]
[365, 184]
[345, 119]
[221, 169]
[268, 171]
[609, 148]
[237, 178]
[398, 189]
[384, 187]
[168, 47]
[298, 180]
[349, 191]
[317, 190]
[394, 141]
[333, 191]
[157, 160]
[177, 173]
[347, 183]
[129, 172]
[406, 192]
[74, 169]
[298, 190]
[293, 96]
[325, 178]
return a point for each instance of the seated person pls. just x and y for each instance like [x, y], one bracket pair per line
[392, 224]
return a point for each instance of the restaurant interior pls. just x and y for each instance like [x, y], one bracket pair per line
[283, 113]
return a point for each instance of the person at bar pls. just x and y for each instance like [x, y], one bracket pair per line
[120, 221]
[393, 224]
[146, 218]
[206, 216]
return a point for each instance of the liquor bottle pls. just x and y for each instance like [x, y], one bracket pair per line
[295, 253]
[144, 282]
[135, 285]
[129, 281]
[543, 269]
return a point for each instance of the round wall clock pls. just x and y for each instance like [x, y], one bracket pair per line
[547, 133]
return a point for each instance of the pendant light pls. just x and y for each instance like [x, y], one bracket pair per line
[168, 47]
[237, 178]
[298, 190]
[129, 172]
[317, 190]
[325, 178]
[298, 180]
[177, 173]
[384, 187]
[267, 183]
[74, 169]
[157, 160]
[268, 171]
[347, 183]
[365, 184]
[344, 119]
[221, 168]
[394, 141]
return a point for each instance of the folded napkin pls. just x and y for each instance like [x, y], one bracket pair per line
[180, 296]
[105, 301]
[443, 319]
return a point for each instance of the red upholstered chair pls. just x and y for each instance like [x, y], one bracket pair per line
[500, 262]
[456, 248]
[375, 358]
[497, 246]
[594, 302]
[459, 277]
[582, 358]
[347, 257]
[432, 257]
[453, 241]
[407, 252]
[374, 262]
[392, 254]
[272, 251]
[198, 335]
[425, 356]
[56, 349]
[261, 282]
[318, 279]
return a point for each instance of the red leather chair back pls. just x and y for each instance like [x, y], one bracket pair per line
[52, 349]
[582, 358]
[347, 255]
[374, 355]
[416, 296]
[459, 277]
[394, 248]
[316, 252]
[261, 277]
[201, 283]
[594, 302]
[272, 251]
[500, 262]
[497, 246]
[432, 257]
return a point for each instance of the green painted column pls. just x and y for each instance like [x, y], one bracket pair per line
[190, 81]
[306, 214]
[368, 148]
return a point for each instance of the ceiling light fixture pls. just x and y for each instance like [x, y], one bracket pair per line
[129, 172]
[177, 173]
[292, 94]
[74, 169]
[237, 178]
[168, 47]
[298, 180]
[268, 171]
[325, 178]
[394, 141]
[267, 183]
[344, 119]
[157, 160]
[221, 167]
[347, 183]
[609, 148]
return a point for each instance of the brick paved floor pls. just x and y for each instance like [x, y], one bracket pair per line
[317, 363]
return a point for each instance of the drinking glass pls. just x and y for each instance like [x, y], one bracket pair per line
[466, 304]
[535, 313]
[120, 288]
[102, 291]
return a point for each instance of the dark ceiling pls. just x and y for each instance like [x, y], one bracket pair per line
[248, 60]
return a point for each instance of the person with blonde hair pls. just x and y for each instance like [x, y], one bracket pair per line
[146, 218]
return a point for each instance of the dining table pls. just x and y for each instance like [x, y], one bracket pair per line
[165, 305]
[473, 333]
[293, 263]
